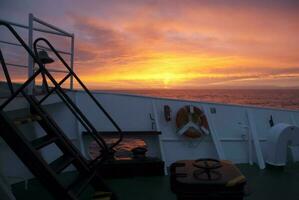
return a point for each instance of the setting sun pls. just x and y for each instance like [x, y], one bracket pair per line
[161, 44]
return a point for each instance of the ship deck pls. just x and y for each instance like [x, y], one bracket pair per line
[262, 184]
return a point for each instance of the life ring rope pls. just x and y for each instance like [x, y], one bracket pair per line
[191, 122]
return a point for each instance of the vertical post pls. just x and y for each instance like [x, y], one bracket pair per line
[6, 73]
[160, 136]
[30, 60]
[255, 138]
[293, 119]
[214, 134]
[249, 146]
[72, 61]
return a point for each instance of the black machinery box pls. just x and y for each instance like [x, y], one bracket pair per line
[206, 179]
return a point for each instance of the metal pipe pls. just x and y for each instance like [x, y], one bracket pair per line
[57, 70]
[17, 65]
[53, 89]
[39, 47]
[45, 83]
[30, 60]
[24, 66]
[10, 43]
[78, 117]
[78, 114]
[29, 51]
[6, 73]
[72, 62]
[19, 90]
[47, 49]
[80, 82]
[15, 24]
[60, 92]
[52, 26]
[62, 95]
[84, 87]
[36, 29]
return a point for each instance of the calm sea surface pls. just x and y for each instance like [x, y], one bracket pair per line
[276, 98]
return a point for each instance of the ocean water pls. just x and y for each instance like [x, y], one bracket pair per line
[273, 98]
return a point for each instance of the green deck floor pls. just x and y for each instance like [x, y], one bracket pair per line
[263, 184]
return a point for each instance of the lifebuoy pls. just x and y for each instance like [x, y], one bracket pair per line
[191, 122]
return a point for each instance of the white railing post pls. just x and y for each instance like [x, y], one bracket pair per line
[30, 60]
[255, 138]
[72, 61]
[160, 137]
[214, 134]
[30, 64]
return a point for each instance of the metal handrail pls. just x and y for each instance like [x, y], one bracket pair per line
[39, 47]
[6, 73]
[43, 70]
[30, 79]
[31, 28]
[25, 66]
[10, 43]
[38, 29]
[82, 85]
[16, 65]
[52, 27]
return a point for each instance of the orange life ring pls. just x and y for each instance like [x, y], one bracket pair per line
[191, 122]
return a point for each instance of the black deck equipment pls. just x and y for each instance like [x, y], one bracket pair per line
[206, 179]
[138, 164]
[28, 150]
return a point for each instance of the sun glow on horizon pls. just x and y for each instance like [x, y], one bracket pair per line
[172, 70]
[173, 44]
[168, 70]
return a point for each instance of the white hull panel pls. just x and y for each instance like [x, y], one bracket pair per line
[238, 133]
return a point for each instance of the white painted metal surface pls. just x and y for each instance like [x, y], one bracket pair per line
[256, 143]
[279, 138]
[229, 140]
[236, 131]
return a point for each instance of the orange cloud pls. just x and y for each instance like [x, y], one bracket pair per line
[192, 43]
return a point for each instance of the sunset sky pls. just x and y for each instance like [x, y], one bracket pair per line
[175, 44]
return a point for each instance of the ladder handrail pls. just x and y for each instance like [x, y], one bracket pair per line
[35, 46]
[6, 73]
[30, 52]
[100, 141]
[74, 109]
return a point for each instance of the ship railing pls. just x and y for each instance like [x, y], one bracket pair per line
[76, 111]
[52, 30]
[41, 70]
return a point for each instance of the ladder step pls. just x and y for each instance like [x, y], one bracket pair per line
[61, 163]
[26, 119]
[43, 141]
[81, 183]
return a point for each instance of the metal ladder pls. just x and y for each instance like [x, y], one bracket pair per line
[28, 151]
[47, 173]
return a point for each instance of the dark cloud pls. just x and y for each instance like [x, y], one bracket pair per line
[84, 55]
[124, 35]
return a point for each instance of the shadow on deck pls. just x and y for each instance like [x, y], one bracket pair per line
[263, 184]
